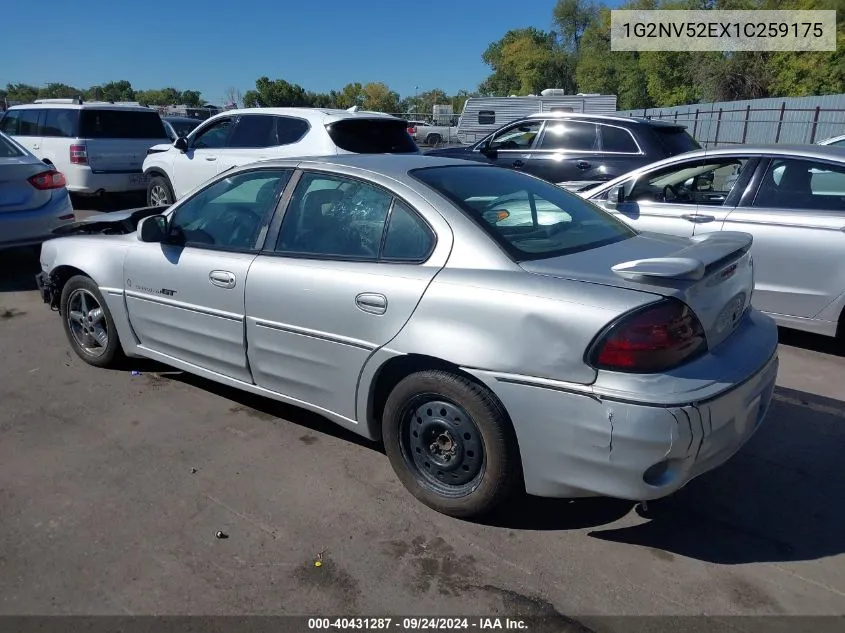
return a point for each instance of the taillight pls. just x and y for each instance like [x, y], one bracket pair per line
[412, 130]
[47, 180]
[655, 338]
[78, 154]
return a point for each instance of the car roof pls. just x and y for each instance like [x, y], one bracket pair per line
[391, 165]
[312, 115]
[801, 151]
[85, 105]
[603, 117]
[183, 119]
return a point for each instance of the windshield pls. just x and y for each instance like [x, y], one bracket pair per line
[530, 218]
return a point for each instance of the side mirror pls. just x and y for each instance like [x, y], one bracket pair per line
[616, 196]
[489, 152]
[181, 144]
[153, 229]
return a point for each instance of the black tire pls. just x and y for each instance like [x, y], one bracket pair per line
[499, 455]
[159, 185]
[110, 354]
[432, 139]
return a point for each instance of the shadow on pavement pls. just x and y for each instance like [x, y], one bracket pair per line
[19, 266]
[109, 202]
[811, 342]
[778, 499]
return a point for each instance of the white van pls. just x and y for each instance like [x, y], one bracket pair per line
[99, 147]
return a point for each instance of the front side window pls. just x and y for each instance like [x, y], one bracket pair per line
[519, 137]
[570, 135]
[231, 212]
[60, 122]
[693, 183]
[253, 131]
[802, 184]
[330, 216]
[214, 136]
[528, 217]
[10, 122]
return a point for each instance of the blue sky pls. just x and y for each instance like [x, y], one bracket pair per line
[209, 46]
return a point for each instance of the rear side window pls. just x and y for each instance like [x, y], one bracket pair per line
[372, 136]
[486, 117]
[61, 122]
[253, 130]
[122, 124]
[569, 135]
[617, 139]
[675, 140]
[290, 130]
[8, 149]
[29, 123]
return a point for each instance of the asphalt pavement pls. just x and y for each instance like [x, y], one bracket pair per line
[113, 485]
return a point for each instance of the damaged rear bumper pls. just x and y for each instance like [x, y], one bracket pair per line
[583, 444]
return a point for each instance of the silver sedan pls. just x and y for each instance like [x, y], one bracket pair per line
[790, 198]
[496, 332]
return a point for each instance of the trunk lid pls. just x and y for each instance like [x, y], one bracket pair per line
[16, 192]
[712, 273]
[117, 139]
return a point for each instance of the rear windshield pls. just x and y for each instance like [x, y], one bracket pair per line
[121, 124]
[675, 140]
[372, 136]
[530, 218]
[8, 149]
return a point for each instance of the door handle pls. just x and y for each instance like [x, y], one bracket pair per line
[222, 278]
[371, 302]
[518, 164]
[697, 219]
[582, 164]
[211, 158]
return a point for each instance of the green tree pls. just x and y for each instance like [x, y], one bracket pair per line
[192, 98]
[58, 91]
[380, 98]
[525, 61]
[118, 91]
[21, 92]
[572, 18]
[350, 95]
[278, 93]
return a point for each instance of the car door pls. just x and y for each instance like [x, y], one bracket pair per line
[797, 217]
[185, 298]
[676, 199]
[511, 146]
[198, 163]
[348, 268]
[565, 152]
[262, 136]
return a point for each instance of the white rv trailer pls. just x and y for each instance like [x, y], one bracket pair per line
[483, 115]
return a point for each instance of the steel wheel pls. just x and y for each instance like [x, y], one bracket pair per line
[87, 323]
[159, 196]
[442, 445]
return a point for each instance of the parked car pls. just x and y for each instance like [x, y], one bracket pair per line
[177, 126]
[415, 127]
[575, 357]
[791, 199]
[236, 137]
[99, 147]
[577, 150]
[836, 141]
[33, 197]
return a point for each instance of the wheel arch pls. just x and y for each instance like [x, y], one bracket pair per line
[393, 370]
[59, 277]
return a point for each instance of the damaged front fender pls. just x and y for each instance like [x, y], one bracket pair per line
[120, 223]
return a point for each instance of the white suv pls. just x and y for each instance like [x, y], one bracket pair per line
[99, 147]
[243, 136]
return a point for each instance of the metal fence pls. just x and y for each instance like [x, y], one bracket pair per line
[794, 120]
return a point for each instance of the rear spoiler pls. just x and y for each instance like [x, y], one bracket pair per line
[708, 252]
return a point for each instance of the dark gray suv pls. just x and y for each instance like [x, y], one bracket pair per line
[577, 150]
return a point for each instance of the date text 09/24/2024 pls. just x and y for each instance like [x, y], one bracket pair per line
[417, 624]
